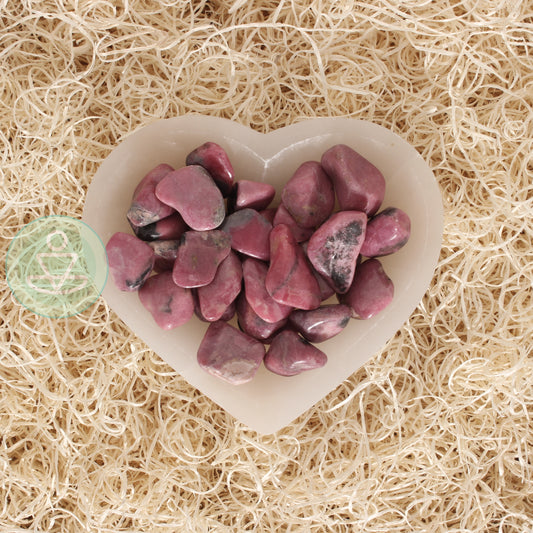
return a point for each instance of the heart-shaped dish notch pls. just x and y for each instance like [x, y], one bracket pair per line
[270, 402]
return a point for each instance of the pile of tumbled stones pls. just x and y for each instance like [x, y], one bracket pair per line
[207, 244]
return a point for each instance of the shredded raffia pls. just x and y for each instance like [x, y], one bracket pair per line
[435, 433]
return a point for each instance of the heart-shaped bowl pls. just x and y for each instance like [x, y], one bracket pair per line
[269, 402]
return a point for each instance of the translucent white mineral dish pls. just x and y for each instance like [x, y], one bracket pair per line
[270, 402]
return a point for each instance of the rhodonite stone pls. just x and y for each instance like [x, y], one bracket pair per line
[283, 216]
[229, 313]
[326, 290]
[226, 316]
[199, 255]
[358, 184]
[254, 275]
[371, 291]
[215, 160]
[289, 279]
[322, 323]
[269, 213]
[145, 207]
[252, 324]
[215, 298]
[253, 194]
[386, 233]
[230, 354]
[334, 247]
[165, 254]
[249, 232]
[192, 192]
[168, 228]
[308, 195]
[130, 261]
[289, 354]
[170, 305]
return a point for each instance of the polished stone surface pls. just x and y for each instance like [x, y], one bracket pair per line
[215, 298]
[334, 247]
[168, 228]
[249, 233]
[309, 195]
[192, 192]
[269, 213]
[171, 306]
[283, 216]
[289, 279]
[130, 260]
[322, 323]
[199, 255]
[229, 354]
[252, 324]
[358, 184]
[386, 233]
[254, 274]
[289, 355]
[371, 291]
[165, 254]
[145, 207]
[215, 160]
[253, 194]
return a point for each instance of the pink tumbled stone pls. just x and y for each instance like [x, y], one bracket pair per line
[192, 192]
[289, 279]
[249, 233]
[326, 291]
[371, 291]
[146, 208]
[199, 255]
[215, 160]
[165, 254]
[386, 233]
[334, 247]
[168, 228]
[226, 316]
[215, 298]
[358, 184]
[130, 261]
[289, 355]
[252, 324]
[322, 323]
[254, 274]
[170, 305]
[253, 194]
[308, 195]
[269, 214]
[283, 216]
[229, 354]
[229, 313]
